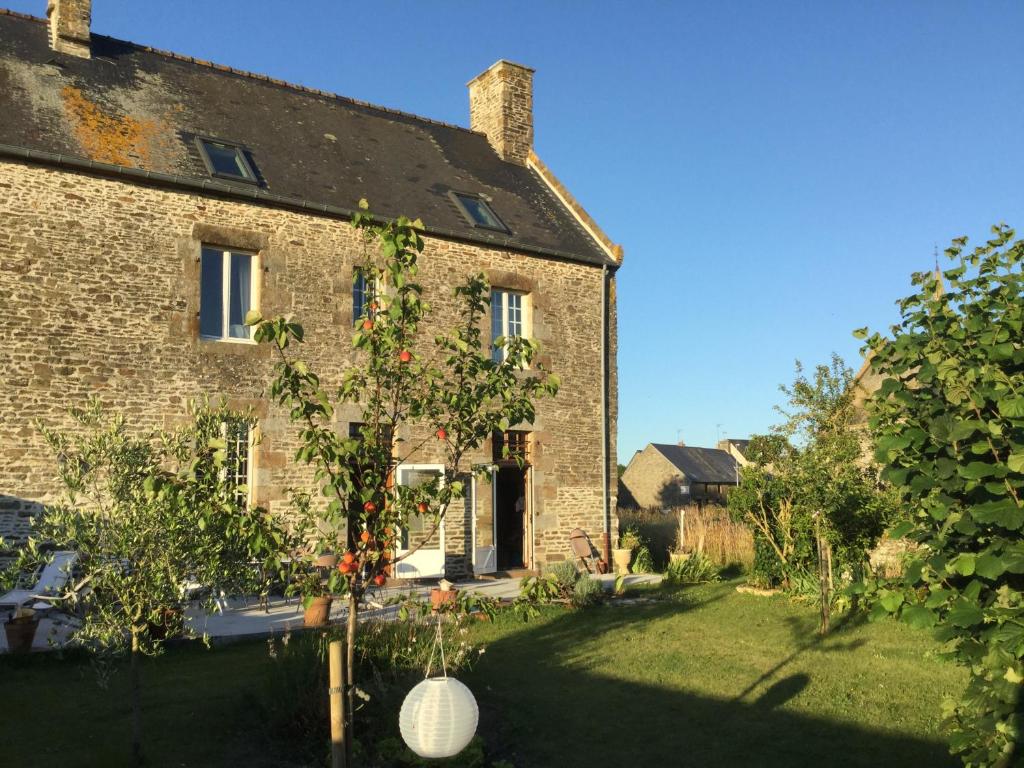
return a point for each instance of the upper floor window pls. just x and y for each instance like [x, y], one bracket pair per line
[364, 291]
[478, 211]
[226, 161]
[226, 294]
[508, 319]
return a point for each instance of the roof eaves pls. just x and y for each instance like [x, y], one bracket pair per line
[249, 193]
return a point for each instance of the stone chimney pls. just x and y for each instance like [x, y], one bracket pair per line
[501, 107]
[69, 26]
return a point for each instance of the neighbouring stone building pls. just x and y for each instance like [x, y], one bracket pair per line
[148, 199]
[662, 476]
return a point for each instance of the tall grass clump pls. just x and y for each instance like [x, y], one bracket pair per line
[709, 530]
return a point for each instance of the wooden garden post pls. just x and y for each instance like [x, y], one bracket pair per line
[336, 692]
[824, 573]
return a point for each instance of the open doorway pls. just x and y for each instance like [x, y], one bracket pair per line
[510, 517]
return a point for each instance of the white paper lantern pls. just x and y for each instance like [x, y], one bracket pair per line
[438, 717]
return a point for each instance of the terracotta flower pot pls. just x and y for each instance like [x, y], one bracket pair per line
[439, 597]
[621, 558]
[317, 613]
[20, 634]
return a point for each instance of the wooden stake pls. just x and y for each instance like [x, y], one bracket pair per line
[336, 692]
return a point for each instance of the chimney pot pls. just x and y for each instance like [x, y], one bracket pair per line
[70, 21]
[501, 107]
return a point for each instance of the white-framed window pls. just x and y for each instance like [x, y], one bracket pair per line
[227, 291]
[238, 465]
[508, 318]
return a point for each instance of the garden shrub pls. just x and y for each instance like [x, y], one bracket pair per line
[587, 592]
[948, 423]
[565, 575]
[695, 568]
[642, 561]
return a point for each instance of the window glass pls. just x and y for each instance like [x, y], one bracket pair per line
[515, 315]
[497, 323]
[417, 526]
[240, 297]
[225, 294]
[226, 160]
[480, 212]
[362, 296]
[211, 281]
[237, 437]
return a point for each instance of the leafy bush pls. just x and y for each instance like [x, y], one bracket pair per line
[565, 575]
[948, 422]
[629, 539]
[587, 592]
[642, 561]
[695, 568]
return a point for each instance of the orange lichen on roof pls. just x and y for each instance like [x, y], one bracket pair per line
[117, 139]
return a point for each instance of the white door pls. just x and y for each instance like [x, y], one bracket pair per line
[485, 556]
[427, 561]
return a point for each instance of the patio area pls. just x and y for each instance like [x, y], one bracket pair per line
[246, 618]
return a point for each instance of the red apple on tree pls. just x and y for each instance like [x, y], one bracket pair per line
[369, 507]
[405, 356]
[441, 434]
[367, 325]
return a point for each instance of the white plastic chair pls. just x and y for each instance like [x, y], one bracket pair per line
[51, 582]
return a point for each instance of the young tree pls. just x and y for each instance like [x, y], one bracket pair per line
[445, 400]
[148, 515]
[809, 494]
[948, 422]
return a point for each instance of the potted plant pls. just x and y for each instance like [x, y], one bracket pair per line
[443, 594]
[20, 629]
[621, 555]
[317, 580]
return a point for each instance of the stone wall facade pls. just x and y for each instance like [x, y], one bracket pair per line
[652, 480]
[99, 280]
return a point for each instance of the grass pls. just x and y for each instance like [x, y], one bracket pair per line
[707, 674]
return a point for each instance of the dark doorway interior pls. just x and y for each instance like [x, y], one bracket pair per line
[510, 514]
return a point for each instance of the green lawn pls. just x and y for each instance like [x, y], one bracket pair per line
[707, 677]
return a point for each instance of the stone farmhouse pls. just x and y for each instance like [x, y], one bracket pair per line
[148, 200]
[662, 476]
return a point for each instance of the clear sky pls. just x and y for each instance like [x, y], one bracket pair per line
[774, 170]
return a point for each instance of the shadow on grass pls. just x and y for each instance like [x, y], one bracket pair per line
[537, 710]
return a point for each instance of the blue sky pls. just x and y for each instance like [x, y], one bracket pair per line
[775, 171]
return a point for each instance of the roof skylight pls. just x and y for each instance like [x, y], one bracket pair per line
[478, 212]
[226, 161]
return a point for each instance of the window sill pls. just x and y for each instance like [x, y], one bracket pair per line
[226, 340]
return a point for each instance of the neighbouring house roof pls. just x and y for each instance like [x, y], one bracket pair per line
[700, 465]
[133, 107]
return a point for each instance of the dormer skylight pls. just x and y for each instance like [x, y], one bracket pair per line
[478, 212]
[226, 161]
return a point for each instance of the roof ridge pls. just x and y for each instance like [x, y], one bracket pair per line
[258, 76]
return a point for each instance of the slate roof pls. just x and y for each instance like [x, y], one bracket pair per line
[700, 465]
[134, 107]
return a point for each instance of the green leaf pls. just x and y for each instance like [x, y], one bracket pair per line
[976, 470]
[890, 600]
[1015, 462]
[901, 529]
[253, 317]
[989, 566]
[1011, 407]
[963, 564]
[918, 616]
[965, 614]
